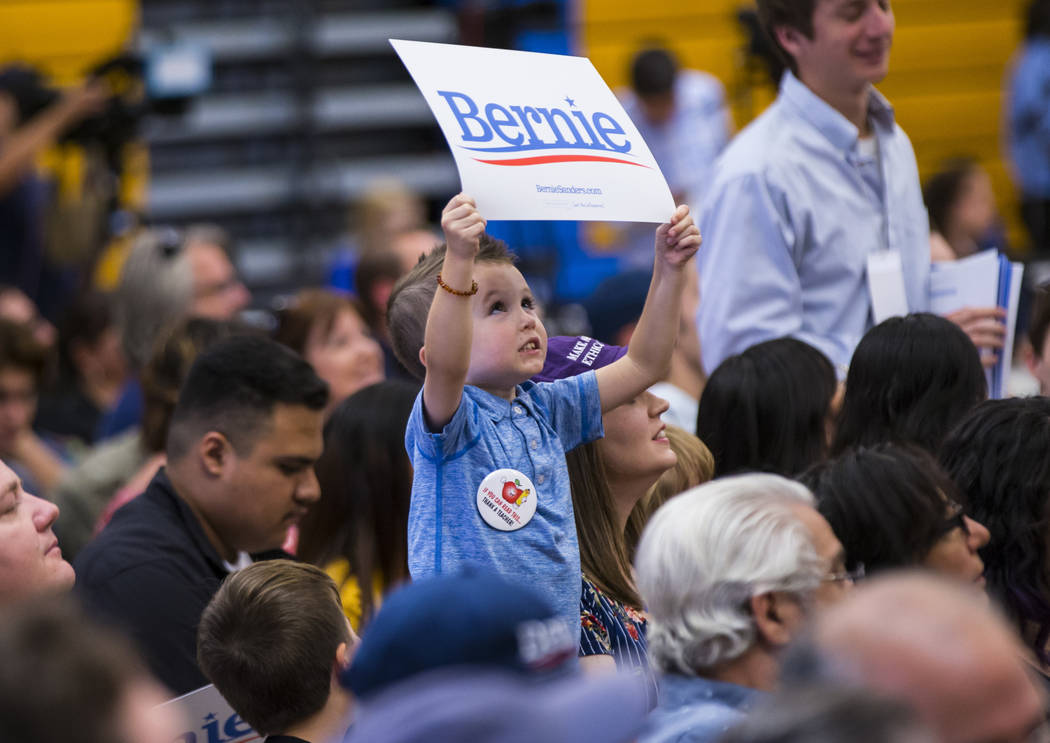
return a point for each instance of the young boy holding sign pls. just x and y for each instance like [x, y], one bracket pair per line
[487, 445]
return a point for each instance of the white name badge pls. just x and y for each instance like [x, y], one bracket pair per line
[886, 285]
[507, 500]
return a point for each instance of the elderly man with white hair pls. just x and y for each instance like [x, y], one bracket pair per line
[730, 571]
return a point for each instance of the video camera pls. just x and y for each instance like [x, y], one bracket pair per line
[161, 82]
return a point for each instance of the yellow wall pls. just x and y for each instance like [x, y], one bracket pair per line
[947, 68]
[64, 37]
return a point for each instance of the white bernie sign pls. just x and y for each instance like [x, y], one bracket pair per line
[208, 718]
[538, 136]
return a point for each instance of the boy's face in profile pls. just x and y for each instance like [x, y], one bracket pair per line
[509, 343]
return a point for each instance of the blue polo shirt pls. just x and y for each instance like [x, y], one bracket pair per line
[530, 434]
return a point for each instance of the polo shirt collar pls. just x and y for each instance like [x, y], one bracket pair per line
[193, 526]
[835, 127]
[497, 408]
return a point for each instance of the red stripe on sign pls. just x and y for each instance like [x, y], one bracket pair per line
[546, 159]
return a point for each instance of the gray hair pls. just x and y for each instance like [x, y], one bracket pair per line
[706, 552]
[155, 289]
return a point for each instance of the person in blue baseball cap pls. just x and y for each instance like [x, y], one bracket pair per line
[475, 656]
[473, 618]
[497, 707]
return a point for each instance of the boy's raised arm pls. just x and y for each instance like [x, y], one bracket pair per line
[648, 358]
[446, 344]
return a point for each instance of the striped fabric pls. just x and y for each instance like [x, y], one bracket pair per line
[609, 627]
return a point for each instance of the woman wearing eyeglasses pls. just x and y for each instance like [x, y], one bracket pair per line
[892, 506]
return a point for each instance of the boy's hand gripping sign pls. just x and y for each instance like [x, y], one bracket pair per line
[538, 136]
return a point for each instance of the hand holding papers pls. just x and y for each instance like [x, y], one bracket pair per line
[537, 136]
[985, 280]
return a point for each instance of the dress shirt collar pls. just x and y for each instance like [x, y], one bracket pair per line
[838, 130]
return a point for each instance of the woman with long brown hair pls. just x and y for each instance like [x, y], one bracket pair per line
[357, 532]
[609, 478]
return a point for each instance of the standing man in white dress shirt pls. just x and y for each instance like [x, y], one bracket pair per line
[813, 191]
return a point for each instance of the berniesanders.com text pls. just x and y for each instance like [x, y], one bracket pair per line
[588, 191]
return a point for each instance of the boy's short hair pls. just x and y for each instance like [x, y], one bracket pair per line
[268, 640]
[797, 14]
[410, 301]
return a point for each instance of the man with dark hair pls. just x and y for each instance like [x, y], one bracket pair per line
[653, 74]
[682, 116]
[818, 187]
[274, 640]
[795, 14]
[243, 439]
[118, 469]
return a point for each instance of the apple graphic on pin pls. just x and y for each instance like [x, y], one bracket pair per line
[512, 492]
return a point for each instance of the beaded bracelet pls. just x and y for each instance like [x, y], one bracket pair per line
[457, 292]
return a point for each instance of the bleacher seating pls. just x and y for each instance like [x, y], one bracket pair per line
[308, 106]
